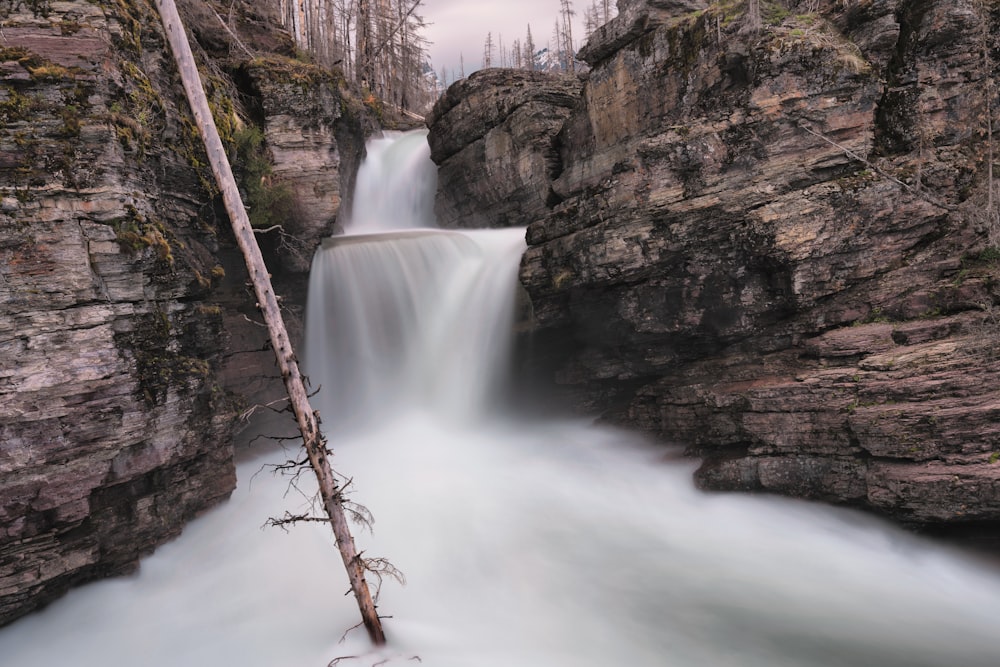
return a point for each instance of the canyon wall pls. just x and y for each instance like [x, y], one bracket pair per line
[773, 244]
[493, 140]
[128, 342]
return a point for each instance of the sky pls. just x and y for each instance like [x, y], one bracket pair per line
[460, 27]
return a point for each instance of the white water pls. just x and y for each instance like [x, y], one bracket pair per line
[543, 544]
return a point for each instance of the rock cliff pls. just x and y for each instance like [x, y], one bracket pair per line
[493, 137]
[122, 304]
[770, 241]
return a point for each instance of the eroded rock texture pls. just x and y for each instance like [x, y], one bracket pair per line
[313, 139]
[492, 136]
[769, 244]
[112, 431]
[125, 323]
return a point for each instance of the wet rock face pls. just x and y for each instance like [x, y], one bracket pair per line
[766, 246]
[492, 137]
[128, 336]
[113, 430]
[315, 142]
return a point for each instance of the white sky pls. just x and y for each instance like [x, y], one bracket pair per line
[460, 27]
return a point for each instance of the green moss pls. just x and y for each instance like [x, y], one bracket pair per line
[131, 16]
[269, 202]
[41, 69]
[50, 72]
[208, 311]
[994, 458]
[773, 13]
[990, 255]
[191, 148]
[723, 13]
[876, 316]
[16, 54]
[135, 233]
[157, 367]
[70, 116]
[227, 120]
[69, 27]
[291, 70]
[16, 106]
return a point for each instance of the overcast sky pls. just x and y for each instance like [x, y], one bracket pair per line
[460, 27]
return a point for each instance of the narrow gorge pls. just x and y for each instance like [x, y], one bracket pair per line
[770, 242]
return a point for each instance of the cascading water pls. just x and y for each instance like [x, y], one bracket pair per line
[553, 543]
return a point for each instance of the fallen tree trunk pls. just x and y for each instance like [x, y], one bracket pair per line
[312, 438]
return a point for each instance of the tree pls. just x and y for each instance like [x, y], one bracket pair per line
[591, 19]
[363, 65]
[529, 50]
[557, 40]
[567, 12]
[753, 19]
[488, 51]
[377, 43]
[312, 439]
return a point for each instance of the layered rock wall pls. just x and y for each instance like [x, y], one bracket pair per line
[769, 244]
[493, 137]
[112, 430]
[125, 322]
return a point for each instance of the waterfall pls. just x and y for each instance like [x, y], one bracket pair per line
[542, 543]
[410, 320]
[395, 186]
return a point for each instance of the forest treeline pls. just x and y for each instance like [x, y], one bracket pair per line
[380, 44]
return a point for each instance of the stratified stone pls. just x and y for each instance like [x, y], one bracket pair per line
[492, 136]
[765, 243]
[113, 431]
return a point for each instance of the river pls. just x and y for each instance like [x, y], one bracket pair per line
[525, 542]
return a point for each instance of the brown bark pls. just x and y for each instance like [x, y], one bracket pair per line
[312, 438]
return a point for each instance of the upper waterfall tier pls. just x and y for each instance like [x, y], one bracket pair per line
[395, 186]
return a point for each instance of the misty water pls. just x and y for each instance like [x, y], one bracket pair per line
[525, 542]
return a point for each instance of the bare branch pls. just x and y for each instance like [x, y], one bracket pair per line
[232, 33]
[291, 519]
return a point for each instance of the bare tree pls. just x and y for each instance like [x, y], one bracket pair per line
[488, 51]
[317, 452]
[753, 22]
[591, 19]
[529, 50]
[557, 40]
[363, 64]
[377, 43]
[567, 12]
